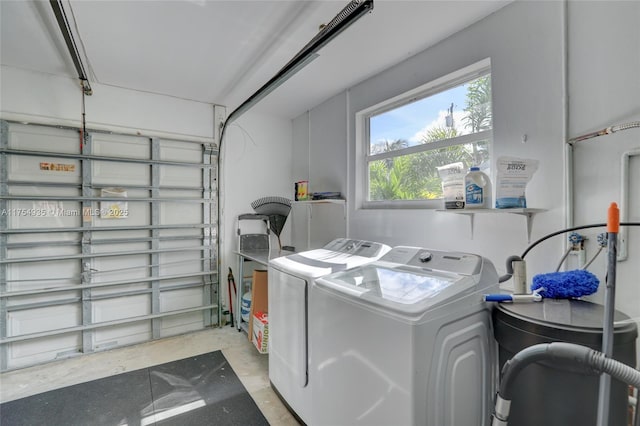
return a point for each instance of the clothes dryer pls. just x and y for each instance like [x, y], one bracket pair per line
[291, 281]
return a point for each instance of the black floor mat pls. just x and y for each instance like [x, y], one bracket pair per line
[202, 390]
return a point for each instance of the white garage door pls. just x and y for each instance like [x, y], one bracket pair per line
[104, 242]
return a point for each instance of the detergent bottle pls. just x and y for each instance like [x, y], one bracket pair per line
[245, 309]
[477, 189]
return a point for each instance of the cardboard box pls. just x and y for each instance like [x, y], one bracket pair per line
[261, 332]
[259, 297]
[301, 190]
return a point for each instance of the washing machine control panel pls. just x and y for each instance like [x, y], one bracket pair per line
[355, 247]
[459, 263]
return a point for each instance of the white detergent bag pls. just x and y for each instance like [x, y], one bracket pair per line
[452, 176]
[512, 177]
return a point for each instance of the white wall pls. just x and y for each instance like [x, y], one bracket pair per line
[257, 158]
[526, 44]
[324, 164]
[328, 157]
[604, 89]
[48, 99]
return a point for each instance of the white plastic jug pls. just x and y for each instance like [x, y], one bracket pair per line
[477, 189]
[245, 309]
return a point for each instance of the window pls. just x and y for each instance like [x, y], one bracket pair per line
[403, 140]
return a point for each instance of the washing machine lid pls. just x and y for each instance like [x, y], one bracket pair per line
[340, 254]
[398, 289]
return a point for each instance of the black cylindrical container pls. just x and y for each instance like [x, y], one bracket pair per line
[551, 395]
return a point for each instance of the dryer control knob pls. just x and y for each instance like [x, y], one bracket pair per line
[425, 256]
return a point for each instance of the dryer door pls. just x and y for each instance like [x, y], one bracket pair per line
[288, 367]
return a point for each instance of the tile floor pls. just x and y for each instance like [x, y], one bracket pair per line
[250, 367]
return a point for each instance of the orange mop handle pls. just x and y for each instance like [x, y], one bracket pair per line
[613, 218]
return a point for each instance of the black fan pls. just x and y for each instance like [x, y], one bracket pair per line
[277, 208]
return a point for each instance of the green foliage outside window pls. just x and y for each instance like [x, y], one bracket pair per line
[415, 176]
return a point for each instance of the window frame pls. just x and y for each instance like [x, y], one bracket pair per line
[363, 153]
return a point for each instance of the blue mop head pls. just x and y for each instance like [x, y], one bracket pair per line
[564, 285]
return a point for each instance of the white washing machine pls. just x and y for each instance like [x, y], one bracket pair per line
[291, 279]
[405, 340]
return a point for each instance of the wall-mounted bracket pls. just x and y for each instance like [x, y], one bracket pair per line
[527, 213]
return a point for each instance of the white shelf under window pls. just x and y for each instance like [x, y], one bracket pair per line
[528, 213]
[328, 200]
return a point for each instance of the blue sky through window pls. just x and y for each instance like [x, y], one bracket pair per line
[411, 121]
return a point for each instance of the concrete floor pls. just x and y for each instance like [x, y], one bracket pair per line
[250, 367]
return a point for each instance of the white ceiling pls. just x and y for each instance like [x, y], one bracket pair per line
[221, 52]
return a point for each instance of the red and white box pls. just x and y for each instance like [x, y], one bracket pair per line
[260, 336]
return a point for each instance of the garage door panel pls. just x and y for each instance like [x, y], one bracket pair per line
[45, 238]
[186, 261]
[166, 285]
[41, 191]
[181, 193]
[171, 266]
[111, 173]
[29, 214]
[133, 212]
[183, 323]
[130, 288]
[42, 215]
[172, 300]
[35, 138]
[50, 298]
[42, 251]
[121, 146]
[122, 335]
[41, 275]
[186, 212]
[171, 150]
[120, 307]
[188, 177]
[106, 235]
[121, 246]
[129, 267]
[181, 244]
[43, 319]
[28, 168]
[182, 232]
[138, 214]
[180, 213]
[30, 352]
